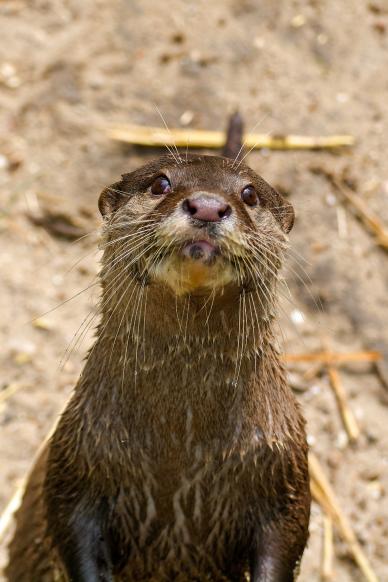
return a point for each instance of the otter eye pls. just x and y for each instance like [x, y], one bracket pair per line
[161, 186]
[249, 196]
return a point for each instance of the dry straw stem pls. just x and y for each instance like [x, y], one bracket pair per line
[9, 391]
[332, 358]
[198, 138]
[364, 213]
[327, 549]
[360, 207]
[10, 509]
[324, 495]
[347, 416]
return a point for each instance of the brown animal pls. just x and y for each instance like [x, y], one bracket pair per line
[182, 453]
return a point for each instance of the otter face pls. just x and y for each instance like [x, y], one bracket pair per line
[196, 224]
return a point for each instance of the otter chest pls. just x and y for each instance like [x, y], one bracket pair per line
[170, 512]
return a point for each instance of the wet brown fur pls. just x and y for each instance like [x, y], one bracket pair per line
[182, 434]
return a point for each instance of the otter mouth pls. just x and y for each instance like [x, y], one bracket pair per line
[201, 250]
[195, 265]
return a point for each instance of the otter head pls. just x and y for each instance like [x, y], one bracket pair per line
[196, 225]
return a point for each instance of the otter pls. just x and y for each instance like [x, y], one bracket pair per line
[182, 453]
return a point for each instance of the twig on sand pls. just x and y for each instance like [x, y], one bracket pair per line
[364, 213]
[9, 391]
[359, 206]
[324, 495]
[197, 138]
[327, 549]
[347, 416]
[332, 358]
[10, 509]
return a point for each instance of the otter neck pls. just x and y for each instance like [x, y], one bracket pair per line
[185, 359]
[232, 322]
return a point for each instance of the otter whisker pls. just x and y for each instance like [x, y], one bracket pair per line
[294, 272]
[177, 158]
[95, 231]
[135, 259]
[127, 252]
[96, 251]
[144, 324]
[82, 258]
[87, 322]
[136, 336]
[187, 310]
[95, 281]
[129, 236]
[264, 260]
[211, 307]
[180, 326]
[125, 354]
[125, 229]
[85, 326]
[75, 340]
[121, 320]
[244, 330]
[257, 276]
[260, 278]
[259, 292]
[212, 295]
[255, 328]
[121, 192]
[122, 221]
[244, 141]
[239, 350]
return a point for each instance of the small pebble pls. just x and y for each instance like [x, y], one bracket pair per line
[311, 440]
[259, 42]
[315, 389]
[375, 490]
[331, 199]
[322, 39]
[342, 440]
[41, 323]
[342, 97]
[298, 21]
[3, 162]
[297, 317]
[22, 358]
[21, 345]
[7, 70]
[187, 117]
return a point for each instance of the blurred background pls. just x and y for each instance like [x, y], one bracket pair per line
[68, 69]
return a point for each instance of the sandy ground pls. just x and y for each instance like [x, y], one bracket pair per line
[67, 68]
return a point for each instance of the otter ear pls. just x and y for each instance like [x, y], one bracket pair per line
[285, 214]
[281, 208]
[111, 198]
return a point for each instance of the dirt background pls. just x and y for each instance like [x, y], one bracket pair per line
[69, 68]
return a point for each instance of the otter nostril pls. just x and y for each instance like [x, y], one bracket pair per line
[206, 208]
[225, 211]
[189, 207]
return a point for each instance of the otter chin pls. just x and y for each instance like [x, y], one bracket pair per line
[198, 266]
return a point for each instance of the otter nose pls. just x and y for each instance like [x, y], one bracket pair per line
[207, 208]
